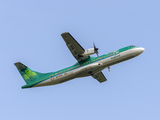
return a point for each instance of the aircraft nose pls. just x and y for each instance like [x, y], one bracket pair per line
[141, 49]
[138, 51]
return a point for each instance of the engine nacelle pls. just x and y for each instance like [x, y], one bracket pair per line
[89, 52]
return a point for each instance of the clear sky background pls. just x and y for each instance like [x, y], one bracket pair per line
[30, 32]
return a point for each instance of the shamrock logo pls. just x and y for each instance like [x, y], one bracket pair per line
[29, 74]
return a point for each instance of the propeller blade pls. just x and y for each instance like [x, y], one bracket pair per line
[97, 53]
[109, 69]
[96, 49]
[94, 45]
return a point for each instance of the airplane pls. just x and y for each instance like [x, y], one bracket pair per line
[85, 66]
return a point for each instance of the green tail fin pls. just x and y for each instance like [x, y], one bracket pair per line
[27, 74]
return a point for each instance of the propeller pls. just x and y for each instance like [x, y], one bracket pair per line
[109, 69]
[96, 50]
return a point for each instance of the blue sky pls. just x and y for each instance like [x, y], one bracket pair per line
[30, 33]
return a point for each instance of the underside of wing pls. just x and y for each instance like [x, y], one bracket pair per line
[75, 48]
[100, 77]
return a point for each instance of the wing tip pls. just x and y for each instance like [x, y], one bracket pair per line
[65, 33]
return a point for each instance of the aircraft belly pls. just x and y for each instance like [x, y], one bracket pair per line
[44, 83]
[89, 69]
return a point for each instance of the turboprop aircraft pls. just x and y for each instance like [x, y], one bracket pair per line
[85, 66]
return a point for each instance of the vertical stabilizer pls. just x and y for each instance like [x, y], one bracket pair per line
[27, 74]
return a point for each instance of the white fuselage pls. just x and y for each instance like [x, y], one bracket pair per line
[92, 68]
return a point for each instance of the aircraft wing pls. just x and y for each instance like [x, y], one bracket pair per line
[75, 48]
[100, 77]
